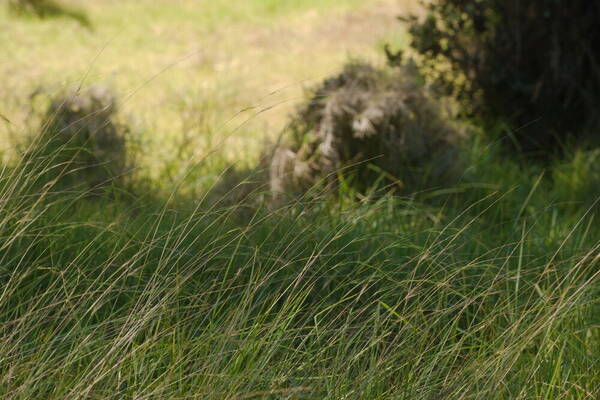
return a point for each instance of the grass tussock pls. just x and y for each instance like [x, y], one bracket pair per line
[80, 143]
[364, 123]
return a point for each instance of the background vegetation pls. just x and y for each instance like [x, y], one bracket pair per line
[162, 281]
[533, 65]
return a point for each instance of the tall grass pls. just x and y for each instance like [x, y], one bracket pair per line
[483, 291]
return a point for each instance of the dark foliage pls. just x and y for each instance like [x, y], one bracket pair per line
[49, 9]
[534, 64]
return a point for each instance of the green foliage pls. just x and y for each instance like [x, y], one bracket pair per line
[578, 178]
[533, 64]
[49, 9]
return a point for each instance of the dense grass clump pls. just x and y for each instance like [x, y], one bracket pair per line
[80, 143]
[363, 124]
[485, 291]
[180, 286]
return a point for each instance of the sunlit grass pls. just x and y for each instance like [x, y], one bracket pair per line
[240, 65]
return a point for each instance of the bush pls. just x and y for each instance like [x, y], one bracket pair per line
[534, 64]
[363, 124]
[79, 143]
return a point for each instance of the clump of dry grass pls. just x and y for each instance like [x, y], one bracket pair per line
[367, 123]
[81, 141]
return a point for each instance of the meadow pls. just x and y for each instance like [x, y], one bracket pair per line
[224, 73]
[486, 289]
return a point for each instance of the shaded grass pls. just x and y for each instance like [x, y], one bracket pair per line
[490, 291]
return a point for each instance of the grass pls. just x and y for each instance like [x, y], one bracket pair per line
[486, 290]
[490, 291]
[209, 64]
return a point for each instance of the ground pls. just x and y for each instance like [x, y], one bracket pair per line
[229, 71]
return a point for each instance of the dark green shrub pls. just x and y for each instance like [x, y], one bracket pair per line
[534, 64]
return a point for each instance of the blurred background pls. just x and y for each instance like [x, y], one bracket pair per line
[219, 71]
